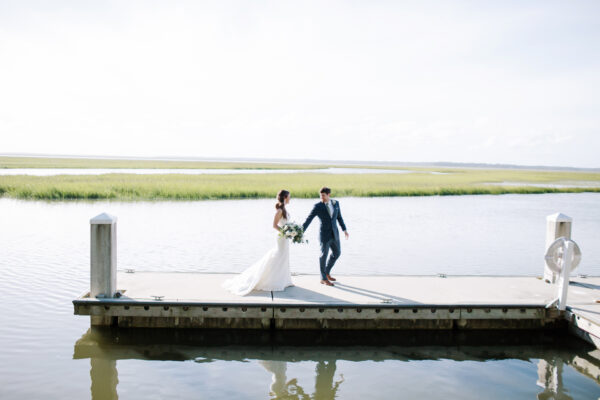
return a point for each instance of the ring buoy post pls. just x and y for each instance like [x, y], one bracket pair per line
[557, 225]
[563, 256]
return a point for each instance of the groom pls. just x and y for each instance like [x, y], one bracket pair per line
[328, 211]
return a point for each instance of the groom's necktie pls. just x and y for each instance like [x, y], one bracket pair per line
[329, 209]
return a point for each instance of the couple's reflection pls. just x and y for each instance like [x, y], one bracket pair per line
[281, 388]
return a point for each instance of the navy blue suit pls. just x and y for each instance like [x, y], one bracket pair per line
[329, 234]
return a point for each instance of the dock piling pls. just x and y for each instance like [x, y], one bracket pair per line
[103, 256]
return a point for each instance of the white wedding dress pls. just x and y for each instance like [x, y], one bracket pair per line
[271, 272]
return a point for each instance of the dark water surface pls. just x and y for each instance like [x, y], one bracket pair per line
[301, 365]
[48, 353]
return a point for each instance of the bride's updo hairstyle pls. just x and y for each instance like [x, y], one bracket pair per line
[281, 196]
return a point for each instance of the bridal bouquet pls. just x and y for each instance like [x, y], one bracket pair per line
[292, 231]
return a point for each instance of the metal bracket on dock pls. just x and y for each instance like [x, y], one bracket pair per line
[553, 303]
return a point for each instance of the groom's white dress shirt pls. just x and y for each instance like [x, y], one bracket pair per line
[329, 208]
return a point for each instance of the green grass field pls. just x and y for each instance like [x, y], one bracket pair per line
[302, 185]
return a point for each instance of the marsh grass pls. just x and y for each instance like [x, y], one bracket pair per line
[302, 185]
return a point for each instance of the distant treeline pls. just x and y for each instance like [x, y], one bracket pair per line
[9, 161]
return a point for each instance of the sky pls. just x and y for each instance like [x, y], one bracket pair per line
[511, 82]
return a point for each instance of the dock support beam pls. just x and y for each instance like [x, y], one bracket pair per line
[557, 225]
[103, 256]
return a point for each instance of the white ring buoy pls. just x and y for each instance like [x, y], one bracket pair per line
[556, 251]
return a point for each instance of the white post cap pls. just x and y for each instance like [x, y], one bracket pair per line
[559, 217]
[102, 219]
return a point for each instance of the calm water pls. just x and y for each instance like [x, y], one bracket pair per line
[49, 353]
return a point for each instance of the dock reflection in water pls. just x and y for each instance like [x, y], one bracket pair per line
[545, 359]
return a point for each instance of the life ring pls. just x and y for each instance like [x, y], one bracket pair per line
[555, 252]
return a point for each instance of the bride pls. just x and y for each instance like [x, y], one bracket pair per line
[272, 271]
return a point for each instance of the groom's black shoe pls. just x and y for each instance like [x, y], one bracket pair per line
[326, 282]
[331, 278]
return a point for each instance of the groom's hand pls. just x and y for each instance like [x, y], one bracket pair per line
[346, 234]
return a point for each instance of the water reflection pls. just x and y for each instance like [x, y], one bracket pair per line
[550, 353]
[104, 377]
[550, 379]
[281, 388]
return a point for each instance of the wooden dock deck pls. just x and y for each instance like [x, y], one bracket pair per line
[197, 300]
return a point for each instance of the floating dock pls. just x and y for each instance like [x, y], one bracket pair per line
[134, 299]
[197, 300]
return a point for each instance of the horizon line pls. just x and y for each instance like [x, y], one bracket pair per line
[303, 161]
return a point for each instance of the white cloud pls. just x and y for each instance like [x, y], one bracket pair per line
[424, 81]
